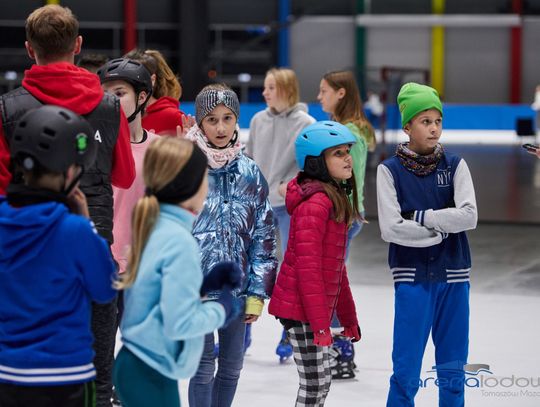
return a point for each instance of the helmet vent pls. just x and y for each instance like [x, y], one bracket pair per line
[44, 146]
[65, 116]
[333, 133]
[49, 132]
[305, 136]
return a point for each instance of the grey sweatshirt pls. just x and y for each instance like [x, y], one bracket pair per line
[395, 229]
[271, 145]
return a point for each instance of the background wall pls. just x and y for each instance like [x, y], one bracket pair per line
[319, 44]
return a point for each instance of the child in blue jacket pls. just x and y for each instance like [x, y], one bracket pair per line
[426, 202]
[165, 320]
[236, 225]
[52, 265]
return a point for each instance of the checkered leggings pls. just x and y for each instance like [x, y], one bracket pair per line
[313, 367]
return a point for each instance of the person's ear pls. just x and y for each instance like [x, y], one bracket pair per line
[407, 129]
[153, 77]
[78, 45]
[142, 97]
[30, 50]
[341, 93]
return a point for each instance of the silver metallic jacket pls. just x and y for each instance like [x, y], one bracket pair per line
[236, 224]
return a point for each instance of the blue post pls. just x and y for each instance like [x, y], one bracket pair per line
[284, 9]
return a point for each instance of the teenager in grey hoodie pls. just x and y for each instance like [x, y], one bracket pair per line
[272, 133]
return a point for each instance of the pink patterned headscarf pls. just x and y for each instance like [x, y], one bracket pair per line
[217, 158]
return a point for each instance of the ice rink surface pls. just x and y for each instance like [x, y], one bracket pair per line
[504, 329]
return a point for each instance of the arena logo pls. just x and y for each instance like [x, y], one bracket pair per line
[475, 376]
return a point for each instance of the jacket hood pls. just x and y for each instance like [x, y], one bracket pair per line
[163, 103]
[299, 107]
[299, 192]
[24, 231]
[64, 84]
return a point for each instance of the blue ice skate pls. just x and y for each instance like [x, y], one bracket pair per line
[284, 349]
[341, 355]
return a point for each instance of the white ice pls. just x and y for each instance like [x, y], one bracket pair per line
[504, 333]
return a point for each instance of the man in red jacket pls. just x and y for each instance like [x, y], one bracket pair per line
[53, 40]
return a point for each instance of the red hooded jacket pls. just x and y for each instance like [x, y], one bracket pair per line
[312, 281]
[163, 116]
[64, 84]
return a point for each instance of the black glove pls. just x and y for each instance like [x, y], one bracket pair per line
[226, 272]
[230, 303]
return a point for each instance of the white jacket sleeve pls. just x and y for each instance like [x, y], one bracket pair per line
[464, 216]
[395, 229]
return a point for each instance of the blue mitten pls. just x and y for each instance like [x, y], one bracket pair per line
[226, 272]
[230, 303]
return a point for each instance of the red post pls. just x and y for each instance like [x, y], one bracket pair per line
[516, 56]
[130, 25]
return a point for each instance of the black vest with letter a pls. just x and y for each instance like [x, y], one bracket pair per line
[96, 181]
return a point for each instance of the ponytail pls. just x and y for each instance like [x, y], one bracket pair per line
[163, 160]
[143, 220]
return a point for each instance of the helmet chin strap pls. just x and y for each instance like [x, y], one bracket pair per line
[138, 108]
[67, 190]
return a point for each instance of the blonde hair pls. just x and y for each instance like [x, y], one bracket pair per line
[167, 83]
[286, 84]
[164, 159]
[349, 108]
[51, 31]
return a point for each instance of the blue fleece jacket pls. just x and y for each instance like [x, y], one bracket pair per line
[52, 264]
[165, 321]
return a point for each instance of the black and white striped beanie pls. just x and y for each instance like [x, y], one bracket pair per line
[208, 99]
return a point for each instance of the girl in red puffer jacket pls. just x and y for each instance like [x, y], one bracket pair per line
[312, 282]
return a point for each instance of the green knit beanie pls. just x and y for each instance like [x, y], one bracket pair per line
[414, 98]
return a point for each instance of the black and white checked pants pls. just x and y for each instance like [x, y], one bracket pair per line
[313, 367]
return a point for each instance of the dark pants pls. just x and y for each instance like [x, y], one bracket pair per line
[104, 326]
[209, 388]
[73, 395]
[138, 385]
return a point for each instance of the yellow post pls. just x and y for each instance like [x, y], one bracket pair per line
[437, 50]
[53, 2]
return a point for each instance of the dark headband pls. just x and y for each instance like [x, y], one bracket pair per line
[187, 181]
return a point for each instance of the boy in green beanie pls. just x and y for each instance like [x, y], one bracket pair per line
[426, 202]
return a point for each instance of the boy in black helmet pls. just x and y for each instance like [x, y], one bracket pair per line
[52, 265]
[131, 83]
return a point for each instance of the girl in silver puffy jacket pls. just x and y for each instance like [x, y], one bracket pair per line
[236, 224]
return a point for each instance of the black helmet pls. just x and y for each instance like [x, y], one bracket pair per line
[123, 69]
[133, 72]
[54, 138]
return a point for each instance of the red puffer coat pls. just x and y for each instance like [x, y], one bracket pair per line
[312, 281]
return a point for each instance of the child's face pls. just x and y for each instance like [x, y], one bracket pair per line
[424, 131]
[339, 162]
[271, 95]
[219, 125]
[329, 97]
[125, 92]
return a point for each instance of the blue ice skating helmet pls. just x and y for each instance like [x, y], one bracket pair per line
[314, 139]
